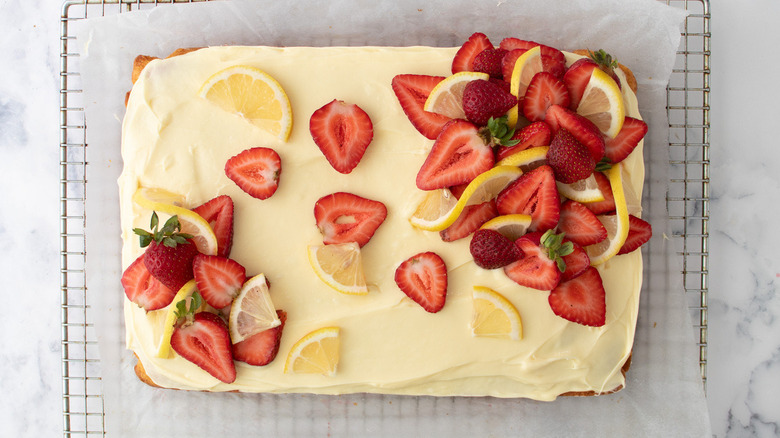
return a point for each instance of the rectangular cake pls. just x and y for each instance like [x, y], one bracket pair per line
[178, 141]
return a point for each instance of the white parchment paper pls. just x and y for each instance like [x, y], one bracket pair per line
[663, 395]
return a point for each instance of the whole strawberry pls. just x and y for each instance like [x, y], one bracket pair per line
[491, 250]
[169, 253]
[489, 61]
[569, 159]
[483, 99]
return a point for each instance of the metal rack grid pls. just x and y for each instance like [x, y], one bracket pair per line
[687, 202]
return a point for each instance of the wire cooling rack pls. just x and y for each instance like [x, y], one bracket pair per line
[688, 98]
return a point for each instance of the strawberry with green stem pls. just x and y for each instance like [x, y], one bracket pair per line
[169, 252]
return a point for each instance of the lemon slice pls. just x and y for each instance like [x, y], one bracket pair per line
[494, 316]
[511, 226]
[163, 201]
[252, 311]
[339, 266]
[585, 190]
[602, 103]
[527, 65]
[433, 210]
[186, 291]
[315, 353]
[616, 225]
[446, 98]
[252, 94]
[527, 159]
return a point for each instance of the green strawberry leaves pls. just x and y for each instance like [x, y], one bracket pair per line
[169, 235]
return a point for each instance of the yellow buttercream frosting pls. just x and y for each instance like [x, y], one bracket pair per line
[173, 139]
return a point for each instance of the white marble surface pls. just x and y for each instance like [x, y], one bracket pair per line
[744, 312]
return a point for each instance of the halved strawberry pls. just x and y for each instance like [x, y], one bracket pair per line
[608, 204]
[639, 232]
[143, 289]
[533, 135]
[261, 348]
[534, 194]
[534, 269]
[571, 160]
[580, 224]
[489, 61]
[344, 217]
[581, 128]
[464, 58]
[508, 63]
[581, 300]
[632, 132]
[219, 279]
[576, 79]
[342, 131]
[458, 155]
[492, 250]
[553, 60]
[218, 212]
[576, 262]
[256, 171]
[412, 92]
[485, 99]
[205, 341]
[543, 91]
[423, 278]
[457, 190]
[471, 218]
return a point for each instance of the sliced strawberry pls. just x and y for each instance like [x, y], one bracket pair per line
[143, 289]
[533, 135]
[543, 91]
[581, 128]
[489, 61]
[491, 250]
[343, 217]
[508, 63]
[516, 44]
[553, 60]
[464, 59]
[458, 155]
[256, 171]
[219, 279]
[608, 204]
[639, 232]
[342, 131]
[218, 212]
[534, 194]
[261, 348]
[457, 190]
[412, 92]
[484, 99]
[534, 269]
[471, 218]
[580, 224]
[576, 262]
[581, 300]
[632, 132]
[205, 341]
[576, 79]
[571, 160]
[423, 278]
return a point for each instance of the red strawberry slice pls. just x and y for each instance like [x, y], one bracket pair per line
[516, 44]
[256, 171]
[534, 269]
[608, 204]
[342, 131]
[485, 99]
[343, 217]
[553, 60]
[581, 128]
[581, 300]
[219, 279]
[571, 160]
[491, 250]
[576, 262]
[639, 232]
[471, 218]
[632, 132]
[508, 63]
[576, 79]
[580, 224]
[143, 289]
[489, 61]
[261, 349]
[464, 58]
[458, 156]
[533, 135]
[412, 91]
[457, 190]
[218, 212]
[534, 194]
[423, 278]
[171, 265]
[543, 91]
[206, 343]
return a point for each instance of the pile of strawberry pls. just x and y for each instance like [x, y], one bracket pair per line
[171, 259]
[550, 256]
